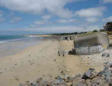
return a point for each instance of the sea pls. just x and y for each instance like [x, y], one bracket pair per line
[12, 44]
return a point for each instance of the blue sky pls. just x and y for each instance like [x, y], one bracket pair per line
[51, 16]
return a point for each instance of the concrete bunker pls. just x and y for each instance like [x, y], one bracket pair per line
[66, 44]
[91, 43]
[83, 44]
[68, 37]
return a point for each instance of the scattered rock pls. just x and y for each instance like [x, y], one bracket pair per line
[89, 74]
[89, 78]
[105, 55]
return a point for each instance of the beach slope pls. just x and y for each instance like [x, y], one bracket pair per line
[34, 62]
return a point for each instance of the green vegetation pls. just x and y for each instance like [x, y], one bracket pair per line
[74, 33]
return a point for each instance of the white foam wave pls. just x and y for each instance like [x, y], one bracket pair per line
[1, 42]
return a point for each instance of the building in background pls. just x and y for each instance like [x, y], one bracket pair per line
[108, 28]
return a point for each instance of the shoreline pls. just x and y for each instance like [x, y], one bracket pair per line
[15, 46]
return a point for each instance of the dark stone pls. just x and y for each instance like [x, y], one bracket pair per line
[79, 83]
[105, 55]
[89, 78]
[89, 74]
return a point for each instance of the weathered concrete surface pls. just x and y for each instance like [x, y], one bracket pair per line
[91, 43]
[89, 50]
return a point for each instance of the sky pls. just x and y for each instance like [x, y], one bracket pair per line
[53, 16]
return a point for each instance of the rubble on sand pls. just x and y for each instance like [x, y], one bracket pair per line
[89, 78]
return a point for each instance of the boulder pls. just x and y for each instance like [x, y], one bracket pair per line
[105, 55]
[89, 74]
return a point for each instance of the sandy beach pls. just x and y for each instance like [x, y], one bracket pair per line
[36, 61]
[42, 60]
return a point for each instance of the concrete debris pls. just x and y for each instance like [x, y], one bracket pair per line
[89, 74]
[62, 53]
[105, 55]
[89, 78]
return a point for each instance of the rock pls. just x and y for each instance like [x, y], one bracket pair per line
[76, 80]
[58, 83]
[97, 82]
[21, 84]
[105, 55]
[32, 84]
[89, 74]
[61, 52]
[88, 82]
[39, 79]
[79, 83]
[27, 83]
[107, 75]
[107, 72]
[107, 65]
[110, 84]
[68, 79]
[44, 83]
[59, 79]
[89, 78]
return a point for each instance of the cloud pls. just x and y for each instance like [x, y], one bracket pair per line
[1, 13]
[46, 21]
[91, 15]
[56, 7]
[39, 22]
[2, 19]
[57, 29]
[90, 12]
[62, 29]
[107, 1]
[107, 19]
[50, 29]
[92, 27]
[92, 19]
[66, 21]
[46, 17]
[15, 19]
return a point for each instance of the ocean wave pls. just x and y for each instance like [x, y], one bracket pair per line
[2, 42]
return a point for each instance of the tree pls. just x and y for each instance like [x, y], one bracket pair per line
[95, 30]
